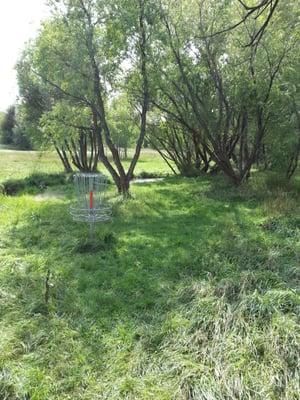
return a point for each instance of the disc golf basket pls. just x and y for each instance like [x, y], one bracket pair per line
[91, 205]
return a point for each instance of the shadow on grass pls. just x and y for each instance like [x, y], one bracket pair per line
[178, 248]
[152, 247]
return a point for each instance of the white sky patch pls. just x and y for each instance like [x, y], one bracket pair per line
[19, 22]
[224, 59]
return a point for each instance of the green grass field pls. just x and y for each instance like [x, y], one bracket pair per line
[19, 164]
[191, 294]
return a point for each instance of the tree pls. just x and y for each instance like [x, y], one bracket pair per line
[282, 148]
[70, 130]
[215, 87]
[37, 101]
[8, 124]
[124, 123]
[79, 57]
[177, 146]
[2, 115]
[263, 10]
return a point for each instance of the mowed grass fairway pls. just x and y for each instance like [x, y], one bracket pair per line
[192, 292]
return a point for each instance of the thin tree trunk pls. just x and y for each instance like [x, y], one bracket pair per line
[64, 159]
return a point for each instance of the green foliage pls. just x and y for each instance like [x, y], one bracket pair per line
[8, 124]
[2, 116]
[226, 93]
[13, 131]
[228, 99]
[61, 122]
[32, 183]
[21, 138]
[76, 62]
[124, 125]
[152, 175]
[283, 141]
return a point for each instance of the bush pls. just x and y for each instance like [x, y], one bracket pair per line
[151, 175]
[31, 183]
[21, 139]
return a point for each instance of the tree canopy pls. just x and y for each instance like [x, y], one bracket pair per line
[214, 85]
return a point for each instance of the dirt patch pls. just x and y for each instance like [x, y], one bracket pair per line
[147, 180]
[49, 196]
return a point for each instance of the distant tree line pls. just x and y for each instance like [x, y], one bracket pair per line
[212, 85]
[12, 132]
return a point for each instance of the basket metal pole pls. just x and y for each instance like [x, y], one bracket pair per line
[91, 231]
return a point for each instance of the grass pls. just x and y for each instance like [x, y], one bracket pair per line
[20, 164]
[192, 292]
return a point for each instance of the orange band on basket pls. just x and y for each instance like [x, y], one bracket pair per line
[91, 200]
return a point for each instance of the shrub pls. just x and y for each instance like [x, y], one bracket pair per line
[151, 175]
[33, 182]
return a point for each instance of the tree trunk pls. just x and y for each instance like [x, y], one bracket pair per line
[123, 186]
[64, 159]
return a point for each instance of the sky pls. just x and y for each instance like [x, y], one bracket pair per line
[19, 22]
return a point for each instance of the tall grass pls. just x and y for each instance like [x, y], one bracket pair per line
[192, 292]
